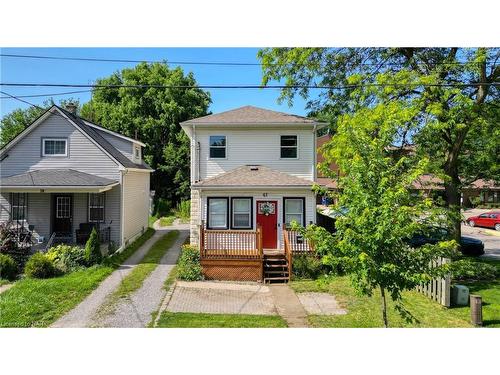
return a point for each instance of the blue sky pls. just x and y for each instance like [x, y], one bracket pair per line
[84, 72]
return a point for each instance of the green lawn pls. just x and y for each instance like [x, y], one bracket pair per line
[38, 303]
[192, 320]
[167, 221]
[365, 311]
[136, 277]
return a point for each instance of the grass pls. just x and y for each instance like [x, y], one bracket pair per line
[167, 221]
[38, 303]
[4, 282]
[141, 271]
[363, 311]
[152, 220]
[194, 320]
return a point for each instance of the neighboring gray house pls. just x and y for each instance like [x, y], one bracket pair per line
[63, 175]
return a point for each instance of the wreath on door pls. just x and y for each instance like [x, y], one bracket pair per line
[266, 208]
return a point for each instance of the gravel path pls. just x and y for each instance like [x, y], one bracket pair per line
[135, 311]
[81, 316]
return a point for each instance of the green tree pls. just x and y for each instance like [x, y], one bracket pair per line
[452, 92]
[153, 116]
[93, 253]
[16, 121]
[372, 238]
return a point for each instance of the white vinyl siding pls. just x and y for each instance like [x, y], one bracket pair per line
[135, 204]
[256, 146]
[83, 154]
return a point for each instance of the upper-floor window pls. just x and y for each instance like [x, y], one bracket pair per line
[217, 146]
[54, 147]
[288, 147]
[96, 207]
[137, 152]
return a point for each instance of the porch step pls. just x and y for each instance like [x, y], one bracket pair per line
[276, 269]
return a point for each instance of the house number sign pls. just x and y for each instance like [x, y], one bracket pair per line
[267, 208]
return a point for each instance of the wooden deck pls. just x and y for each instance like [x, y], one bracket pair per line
[238, 255]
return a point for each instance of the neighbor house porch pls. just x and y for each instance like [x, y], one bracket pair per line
[60, 206]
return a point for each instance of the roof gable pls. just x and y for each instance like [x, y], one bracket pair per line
[251, 115]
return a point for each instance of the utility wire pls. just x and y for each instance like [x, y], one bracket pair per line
[345, 87]
[214, 63]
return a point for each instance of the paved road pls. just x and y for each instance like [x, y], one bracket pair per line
[490, 237]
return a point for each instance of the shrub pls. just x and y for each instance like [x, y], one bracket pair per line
[189, 267]
[8, 235]
[39, 266]
[93, 249]
[8, 267]
[470, 270]
[183, 211]
[307, 267]
[162, 207]
[67, 258]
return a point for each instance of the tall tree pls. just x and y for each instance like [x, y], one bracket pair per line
[455, 92]
[153, 116]
[16, 121]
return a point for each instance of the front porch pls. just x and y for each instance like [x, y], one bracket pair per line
[239, 255]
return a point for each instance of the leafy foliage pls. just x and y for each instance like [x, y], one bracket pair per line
[8, 267]
[183, 210]
[40, 266]
[8, 235]
[307, 267]
[471, 270]
[93, 253]
[188, 266]
[153, 115]
[67, 258]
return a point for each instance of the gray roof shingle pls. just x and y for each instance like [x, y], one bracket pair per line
[55, 177]
[251, 115]
[254, 176]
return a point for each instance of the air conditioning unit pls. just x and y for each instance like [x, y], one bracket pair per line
[459, 295]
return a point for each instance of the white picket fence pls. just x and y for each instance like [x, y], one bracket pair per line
[438, 289]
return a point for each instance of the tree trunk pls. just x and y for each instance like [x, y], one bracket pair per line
[384, 307]
[453, 195]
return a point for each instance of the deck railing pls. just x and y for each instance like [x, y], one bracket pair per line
[297, 242]
[246, 244]
[288, 251]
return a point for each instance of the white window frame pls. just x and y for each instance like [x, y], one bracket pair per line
[226, 216]
[224, 147]
[101, 206]
[296, 146]
[303, 213]
[17, 206]
[137, 152]
[44, 140]
[249, 213]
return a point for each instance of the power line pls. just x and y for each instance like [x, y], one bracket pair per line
[242, 86]
[213, 63]
[43, 95]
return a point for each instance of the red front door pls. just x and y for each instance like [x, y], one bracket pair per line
[267, 219]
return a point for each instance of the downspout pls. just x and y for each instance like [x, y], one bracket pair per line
[315, 151]
[122, 208]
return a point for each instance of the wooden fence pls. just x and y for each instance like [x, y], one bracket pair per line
[438, 289]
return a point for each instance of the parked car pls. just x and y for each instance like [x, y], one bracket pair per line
[467, 246]
[488, 220]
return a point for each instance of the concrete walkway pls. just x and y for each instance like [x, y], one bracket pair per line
[82, 315]
[288, 305]
[6, 287]
[135, 311]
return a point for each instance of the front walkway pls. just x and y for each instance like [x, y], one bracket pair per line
[83, 314]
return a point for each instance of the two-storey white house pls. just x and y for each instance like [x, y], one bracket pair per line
[64, 175]
[252, 170]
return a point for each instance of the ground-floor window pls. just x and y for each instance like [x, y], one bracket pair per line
[218, 213]
[241, 213]
[19, 206]
[96, 207]
[294, 209]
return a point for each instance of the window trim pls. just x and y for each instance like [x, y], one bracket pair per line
[296, 147]
[103, 208]
[25, 210]
[224, 147]
[55, 139]
[251, 213]
[137, 152]
[303, 199]
[227, 213]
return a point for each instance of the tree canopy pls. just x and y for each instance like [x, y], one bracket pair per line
[452, 93]
[153, 116]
